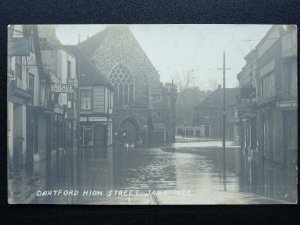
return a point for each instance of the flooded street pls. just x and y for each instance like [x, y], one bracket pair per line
[155, 175]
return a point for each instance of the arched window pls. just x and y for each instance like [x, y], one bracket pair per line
[121, 79]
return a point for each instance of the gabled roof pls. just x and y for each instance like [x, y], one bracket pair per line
[90, 45]
[102, 39]
[215, 99]
[89, 75]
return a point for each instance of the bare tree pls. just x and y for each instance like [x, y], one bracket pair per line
[184, 80]
[213, 84]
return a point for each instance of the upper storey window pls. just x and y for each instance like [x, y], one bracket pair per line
[122, 81]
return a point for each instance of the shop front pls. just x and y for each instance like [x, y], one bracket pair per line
[94, 133]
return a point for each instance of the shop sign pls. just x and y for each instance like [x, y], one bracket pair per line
[61, 88]
[18, 47]
[97, 119]
[287, 104]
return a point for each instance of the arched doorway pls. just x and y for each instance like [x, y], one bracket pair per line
[129, 130]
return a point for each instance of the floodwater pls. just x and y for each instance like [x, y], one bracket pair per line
[182, 173]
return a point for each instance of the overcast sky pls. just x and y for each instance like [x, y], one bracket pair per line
[176, 49]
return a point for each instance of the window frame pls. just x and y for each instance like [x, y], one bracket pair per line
[81, 98]
[120, 78]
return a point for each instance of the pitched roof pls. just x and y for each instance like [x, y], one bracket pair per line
[89, 46]
[215, 99]
[92, 76]
[100, 39]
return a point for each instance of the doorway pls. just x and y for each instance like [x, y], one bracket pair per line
[100, 141]
[206, 131]
[131, 132]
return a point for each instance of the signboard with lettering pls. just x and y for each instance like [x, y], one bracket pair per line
[99, 119]
[61, 88]
[287, 104]
[18, 47]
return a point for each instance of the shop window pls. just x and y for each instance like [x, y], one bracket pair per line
[86, 99]
[268, 85]
[86, 135]
[70, 100]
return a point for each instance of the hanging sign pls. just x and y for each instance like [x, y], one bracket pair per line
[61, 88]
[18, 47]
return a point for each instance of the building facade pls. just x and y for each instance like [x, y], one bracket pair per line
[95, 106]
[269, 113]
[20, 95]
[208, 114]
[42, 103]
[138, 96]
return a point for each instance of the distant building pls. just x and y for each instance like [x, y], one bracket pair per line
[169, 111]
[95, 106]
[208, 114]
[138, 96]
[190, 131]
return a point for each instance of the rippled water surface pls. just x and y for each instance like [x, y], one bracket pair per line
[184, 173]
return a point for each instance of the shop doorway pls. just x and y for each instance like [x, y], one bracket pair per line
[206, 131]
[100, 141]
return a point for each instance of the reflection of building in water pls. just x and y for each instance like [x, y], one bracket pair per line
[138, 101]
[160, 176]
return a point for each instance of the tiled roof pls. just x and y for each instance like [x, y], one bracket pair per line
[90, 45]
[89, 74]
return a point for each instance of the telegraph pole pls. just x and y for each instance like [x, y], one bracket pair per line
[173, 100]
[224, 119]
[224, 128]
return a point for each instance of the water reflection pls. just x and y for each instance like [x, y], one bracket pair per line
[198, 170]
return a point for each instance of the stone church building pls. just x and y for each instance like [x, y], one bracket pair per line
[138, 111]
